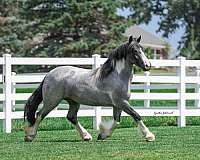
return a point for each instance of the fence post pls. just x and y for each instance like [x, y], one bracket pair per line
[147, 90]
[13, 90]
[97, 118]
[182, 102]
[197, 88]
[7, 108]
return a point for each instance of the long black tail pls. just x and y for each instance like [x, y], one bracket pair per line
[32, 104]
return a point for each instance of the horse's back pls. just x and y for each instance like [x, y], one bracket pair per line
[63, 71]
[60, 78]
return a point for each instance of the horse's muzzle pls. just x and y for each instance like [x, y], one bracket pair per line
[147, 67]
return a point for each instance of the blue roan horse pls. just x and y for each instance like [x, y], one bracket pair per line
[107, 85]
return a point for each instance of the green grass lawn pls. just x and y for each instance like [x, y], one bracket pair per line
[49, 124]
[57, 139]
[171, 143]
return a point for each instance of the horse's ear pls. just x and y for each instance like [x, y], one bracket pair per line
[139, 39]
[130, 39]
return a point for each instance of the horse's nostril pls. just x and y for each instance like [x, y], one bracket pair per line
[147, 67]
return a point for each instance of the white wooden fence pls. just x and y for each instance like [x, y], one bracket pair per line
[180, 81]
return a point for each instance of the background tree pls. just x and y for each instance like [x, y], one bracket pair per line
[75, 28]
[9, 27]
[173, 15]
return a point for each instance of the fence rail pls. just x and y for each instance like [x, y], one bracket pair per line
[180, 81]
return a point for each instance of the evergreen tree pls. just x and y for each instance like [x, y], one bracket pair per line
[9, 27]
[78, 28]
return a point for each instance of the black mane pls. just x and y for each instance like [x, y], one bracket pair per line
[115, 55]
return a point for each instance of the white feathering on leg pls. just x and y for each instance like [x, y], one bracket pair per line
[83, 132]
[145, 132]
[107, 127]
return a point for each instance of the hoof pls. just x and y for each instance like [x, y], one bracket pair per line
[87, 137]
[28, 138]
[101, 137]
[150, 137]
[29, 134]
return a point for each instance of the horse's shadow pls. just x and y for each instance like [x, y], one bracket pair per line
[71, 141]
[58, 141]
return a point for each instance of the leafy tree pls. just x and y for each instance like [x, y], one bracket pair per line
[174, 14]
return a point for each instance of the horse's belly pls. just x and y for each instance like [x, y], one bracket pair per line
[92, 97]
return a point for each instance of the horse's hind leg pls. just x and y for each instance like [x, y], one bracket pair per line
[107, 128]
[31, 131]
[72, 117]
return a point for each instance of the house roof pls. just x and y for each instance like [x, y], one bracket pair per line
[148, 39]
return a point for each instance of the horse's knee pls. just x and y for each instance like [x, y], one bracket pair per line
[129, 110]
[72, 119]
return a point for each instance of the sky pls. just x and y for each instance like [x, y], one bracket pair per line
[153, 26]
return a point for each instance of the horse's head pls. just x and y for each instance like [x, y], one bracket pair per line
[136, 54]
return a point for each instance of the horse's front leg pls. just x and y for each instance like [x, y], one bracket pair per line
[107, 128]
[125, 106]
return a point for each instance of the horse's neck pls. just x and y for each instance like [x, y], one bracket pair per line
[123, 69]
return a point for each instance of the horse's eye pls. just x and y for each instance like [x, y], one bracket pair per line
[136, 56]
